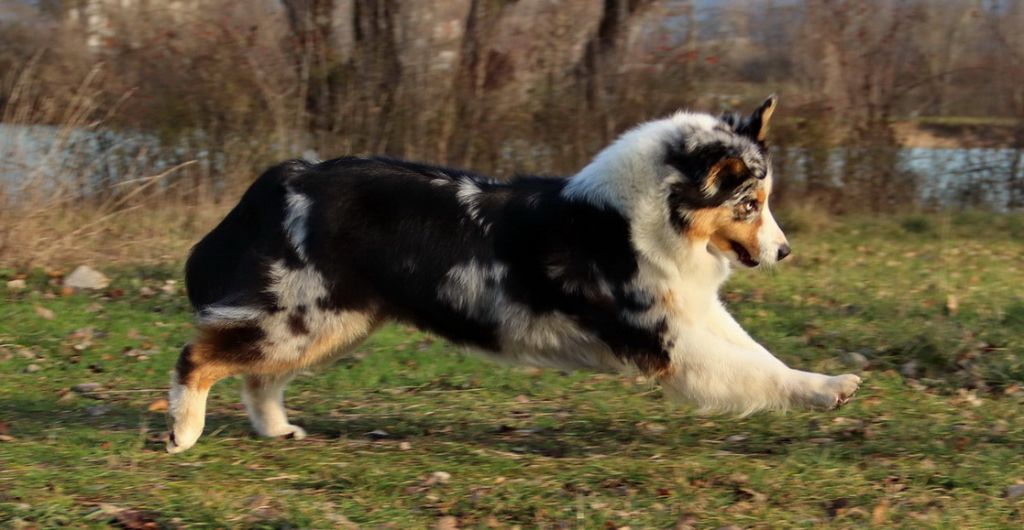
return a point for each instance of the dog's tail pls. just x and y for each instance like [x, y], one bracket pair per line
[222, 261]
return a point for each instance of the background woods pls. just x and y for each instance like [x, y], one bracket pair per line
[886, 106]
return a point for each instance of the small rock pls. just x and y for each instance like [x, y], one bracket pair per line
[378, 434]
[84, 388]
[1014, 492]
[522, 399]
[446, 523]
[16, 285]
[98, 410]
[854, 359]
[146, 292]
[44, 313]
[405, 446]
[85, 277]
[6, 438]
[438, 477]
[909, 369]
[33, 368]
[736, 438]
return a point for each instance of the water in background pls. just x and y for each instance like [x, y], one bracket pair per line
[89, 161]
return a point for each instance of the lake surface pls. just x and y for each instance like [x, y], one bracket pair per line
[86, 161]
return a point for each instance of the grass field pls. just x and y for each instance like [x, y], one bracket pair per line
[411, 433]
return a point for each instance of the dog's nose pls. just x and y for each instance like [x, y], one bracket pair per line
[783, 251]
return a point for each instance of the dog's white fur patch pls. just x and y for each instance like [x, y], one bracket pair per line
[296, 221]
[548, 341]
[225, 315]
[263, 397]
[714, 362]
[468, 195]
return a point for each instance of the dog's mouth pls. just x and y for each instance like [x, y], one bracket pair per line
[742, 254]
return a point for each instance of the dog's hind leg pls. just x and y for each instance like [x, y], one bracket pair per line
[263, 396]
[303, 340]
[217, 352]
[193, 376]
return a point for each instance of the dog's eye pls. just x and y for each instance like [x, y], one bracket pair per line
[749, 206]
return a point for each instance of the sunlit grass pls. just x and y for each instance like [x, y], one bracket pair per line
[934, 444]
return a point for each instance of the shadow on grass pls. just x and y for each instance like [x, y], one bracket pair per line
[84, 426]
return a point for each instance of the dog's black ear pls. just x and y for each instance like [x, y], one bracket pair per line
[754, 126]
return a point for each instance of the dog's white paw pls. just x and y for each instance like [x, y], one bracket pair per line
[181, 441]
[286, 430]
[839, 390]
[823, 392]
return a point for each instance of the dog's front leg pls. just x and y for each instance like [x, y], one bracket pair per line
[724, 325]
[718, 374]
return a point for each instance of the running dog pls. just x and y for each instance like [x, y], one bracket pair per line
[615, 269]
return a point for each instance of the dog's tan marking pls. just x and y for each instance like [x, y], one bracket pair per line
[719, 226]
[726, 168]
[327, 346]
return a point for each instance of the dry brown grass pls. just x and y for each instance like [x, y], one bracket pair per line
[62, 234]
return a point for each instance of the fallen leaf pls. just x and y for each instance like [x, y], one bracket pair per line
[952, 304]
[158, 405]
[136, 520]
[6, 438]
[438, 477]
[404, 446]
[651, 427]
[446, 523]
[751, 494]
[687, 521]
[836, 507]
[44, 313]
[5, 428]
[880, 513]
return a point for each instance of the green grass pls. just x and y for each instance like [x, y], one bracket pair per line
[544, 449]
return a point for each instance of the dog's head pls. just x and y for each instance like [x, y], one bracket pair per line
[718, 185]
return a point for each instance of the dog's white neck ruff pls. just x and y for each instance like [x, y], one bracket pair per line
[630, 176]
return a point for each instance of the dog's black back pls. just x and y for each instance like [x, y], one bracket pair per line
[389, 238]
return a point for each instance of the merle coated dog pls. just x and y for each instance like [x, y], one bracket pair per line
[614, 269]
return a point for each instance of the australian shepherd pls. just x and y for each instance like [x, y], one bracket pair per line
[615, 269]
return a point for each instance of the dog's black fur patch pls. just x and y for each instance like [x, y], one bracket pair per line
[385, 234]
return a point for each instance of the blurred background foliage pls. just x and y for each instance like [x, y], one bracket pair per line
[886, 106]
